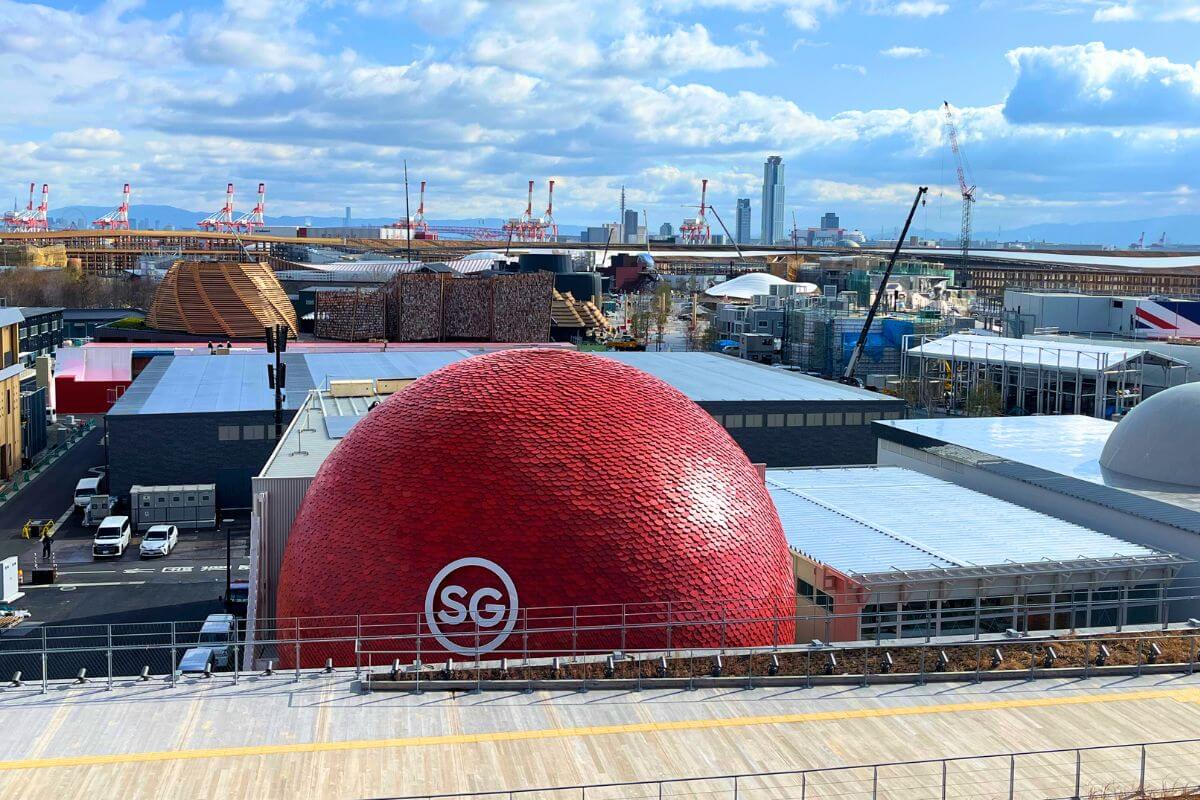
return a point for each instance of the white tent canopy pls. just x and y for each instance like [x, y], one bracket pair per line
[745, 287]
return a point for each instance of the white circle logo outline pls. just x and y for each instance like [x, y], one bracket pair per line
[435, 586]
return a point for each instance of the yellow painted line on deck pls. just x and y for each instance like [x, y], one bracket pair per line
[1182, 695]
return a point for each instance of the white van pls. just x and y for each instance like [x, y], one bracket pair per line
[112, 537]
[84, 491]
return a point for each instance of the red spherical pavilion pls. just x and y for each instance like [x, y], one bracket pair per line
[517, 492]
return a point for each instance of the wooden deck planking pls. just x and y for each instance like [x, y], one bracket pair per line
[79, 723]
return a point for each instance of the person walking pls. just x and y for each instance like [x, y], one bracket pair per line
[47, 543]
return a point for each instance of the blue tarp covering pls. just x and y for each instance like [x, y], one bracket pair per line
[872, 349]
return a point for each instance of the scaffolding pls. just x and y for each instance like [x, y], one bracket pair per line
[985, 376]
[820, 335]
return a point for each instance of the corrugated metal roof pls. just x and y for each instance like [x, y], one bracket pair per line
[321, 422]
[198, 384]
[1058, 453]
[714, 377]
[848, 518]
[238, 382]
[324, 367]
[1067, 259]
[999, 350]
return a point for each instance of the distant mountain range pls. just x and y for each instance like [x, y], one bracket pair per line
[1180, 229]
[156, 216]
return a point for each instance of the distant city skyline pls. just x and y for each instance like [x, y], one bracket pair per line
[1070, 111]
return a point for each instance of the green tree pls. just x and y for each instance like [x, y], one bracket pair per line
[985, 401]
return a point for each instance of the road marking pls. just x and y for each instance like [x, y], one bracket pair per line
[213, 568]
[1189, 695]
[61, 519]
[81, 585]
[177, 569]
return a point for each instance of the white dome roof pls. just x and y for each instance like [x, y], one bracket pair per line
[745, 287]
[1159, 440]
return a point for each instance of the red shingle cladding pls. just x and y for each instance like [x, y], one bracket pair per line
[585, 481]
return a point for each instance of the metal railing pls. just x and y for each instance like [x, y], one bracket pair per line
[1125, 770]
[642, 642]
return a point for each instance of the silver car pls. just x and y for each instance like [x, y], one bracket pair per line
[159, 540]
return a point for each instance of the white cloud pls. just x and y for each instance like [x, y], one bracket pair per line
[904, 52]
[1115, 13]
[88, 138]
[1092, 85]
[858, 68]
[1153, 10]
[682, 50]
[806, 14]
[907, 8]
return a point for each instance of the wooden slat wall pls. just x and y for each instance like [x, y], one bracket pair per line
[220, 298]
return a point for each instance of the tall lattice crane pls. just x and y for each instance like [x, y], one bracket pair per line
[965, 187]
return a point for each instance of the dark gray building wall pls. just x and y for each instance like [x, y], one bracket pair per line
[158, 449]
[831, 433]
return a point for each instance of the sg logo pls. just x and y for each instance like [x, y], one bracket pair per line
[489, 607]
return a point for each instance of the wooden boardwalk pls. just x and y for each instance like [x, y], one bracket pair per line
[314, 739]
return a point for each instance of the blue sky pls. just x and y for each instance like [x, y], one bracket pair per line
[1070, 110]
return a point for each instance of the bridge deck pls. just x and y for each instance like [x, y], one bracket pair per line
[269, 737]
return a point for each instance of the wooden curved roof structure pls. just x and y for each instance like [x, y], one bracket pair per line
[221, 298]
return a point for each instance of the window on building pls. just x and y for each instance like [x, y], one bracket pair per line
[814, 420]
[228, 433]
[871, 416]
[253, 432]
[775, 420]
[720, 419]
[754, 420]
[854, 418]
[834, 418]
[795, 420]
[813, 594]
[733, 420]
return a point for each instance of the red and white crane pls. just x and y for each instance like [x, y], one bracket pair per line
[220, 221]
[547, 228]
[18, 219]
[520, 229]
[696, 230]
[420, 229]
[117, 220]
[252, 220]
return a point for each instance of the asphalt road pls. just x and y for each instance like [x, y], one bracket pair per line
[50, 495]
[186, 585]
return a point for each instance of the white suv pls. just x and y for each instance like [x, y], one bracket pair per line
[112, 537]
[159, 540]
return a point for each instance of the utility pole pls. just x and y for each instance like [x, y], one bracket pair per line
[277, 337]
[407, 218]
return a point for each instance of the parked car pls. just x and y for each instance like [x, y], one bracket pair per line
[84, 489]
[237, 600]
[112, 537]
[215, 645]
[159, 540]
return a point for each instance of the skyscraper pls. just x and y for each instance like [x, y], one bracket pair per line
[742, 229]
[631, 226]
[772, 200]
[666, 230]
[830, 221]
